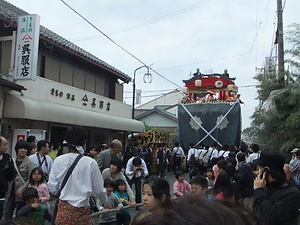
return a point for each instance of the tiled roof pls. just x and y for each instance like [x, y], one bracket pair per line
[162, 112]
[11, 13]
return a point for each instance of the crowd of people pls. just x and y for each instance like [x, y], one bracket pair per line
[226, 185]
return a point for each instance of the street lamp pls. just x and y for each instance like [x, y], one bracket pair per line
[147, 78]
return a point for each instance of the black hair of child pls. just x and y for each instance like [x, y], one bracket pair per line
[118, 183]
[199, 180]
[40, 171]
[108, 183]
[194, 172]
[30, 193]
[178, 174]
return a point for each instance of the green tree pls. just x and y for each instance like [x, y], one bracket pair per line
[275, 120]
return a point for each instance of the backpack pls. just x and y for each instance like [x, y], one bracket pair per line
[192, 161]
[176, 159]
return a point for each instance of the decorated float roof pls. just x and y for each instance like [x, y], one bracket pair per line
[203, 82]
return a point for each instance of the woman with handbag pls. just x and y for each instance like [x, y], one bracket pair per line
[74, 178]
[23, 167]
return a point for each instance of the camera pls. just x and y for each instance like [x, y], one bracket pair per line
[46, 175]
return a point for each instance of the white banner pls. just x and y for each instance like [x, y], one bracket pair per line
[27, 47]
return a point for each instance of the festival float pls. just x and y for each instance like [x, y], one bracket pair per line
[209, 111]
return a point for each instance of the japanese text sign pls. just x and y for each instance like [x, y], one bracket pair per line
[26, 56]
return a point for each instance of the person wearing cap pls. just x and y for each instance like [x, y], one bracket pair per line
[275, 201]
[294, 157]
[85, 181]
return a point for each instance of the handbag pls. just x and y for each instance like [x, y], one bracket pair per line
[70, 170]
[177, 159]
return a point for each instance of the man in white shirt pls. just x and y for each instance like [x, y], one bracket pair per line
[136, 168]
[41, 158]
[224, 152]
[178, 156]
[254, 155]
[193, 155]
[201, 154]
[211, 156]
[86, 180]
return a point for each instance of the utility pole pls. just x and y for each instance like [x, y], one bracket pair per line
[279, 38]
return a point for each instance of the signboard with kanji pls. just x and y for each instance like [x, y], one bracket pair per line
[26, 56]
[153, 136]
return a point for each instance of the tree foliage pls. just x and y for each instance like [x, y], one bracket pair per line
[276, 120]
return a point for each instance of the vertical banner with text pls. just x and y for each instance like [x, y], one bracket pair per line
[27, 47]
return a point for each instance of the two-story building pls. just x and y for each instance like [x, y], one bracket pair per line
[71, 86]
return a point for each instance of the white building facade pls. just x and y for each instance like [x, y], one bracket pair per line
[71, 86]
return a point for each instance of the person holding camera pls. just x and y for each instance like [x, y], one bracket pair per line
[136, 168]
[275, 201]
[42, 159]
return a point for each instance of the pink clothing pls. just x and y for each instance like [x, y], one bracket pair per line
[220, 196]
[180, 188]
[43, 192]
[216, 170]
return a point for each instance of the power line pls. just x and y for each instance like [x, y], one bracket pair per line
[117, 44]
[258, 29]
[103, 33]
[144, 96]
[165, 78]
[205, 61]
[134, 55]
[193, 35]
[166, 90]
[147, 23]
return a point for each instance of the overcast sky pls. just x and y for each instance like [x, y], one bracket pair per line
[173, 36]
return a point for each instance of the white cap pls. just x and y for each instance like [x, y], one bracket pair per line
[294, 150]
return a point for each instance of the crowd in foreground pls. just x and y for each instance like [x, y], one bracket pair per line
[226, 189]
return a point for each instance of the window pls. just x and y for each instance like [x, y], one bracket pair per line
[109, 90]
[43, 66]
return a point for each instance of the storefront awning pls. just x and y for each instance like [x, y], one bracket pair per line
[11, 85]
[23, 108]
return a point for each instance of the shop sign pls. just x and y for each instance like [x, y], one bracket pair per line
[85, 99]
[153, 137]
[26, 56]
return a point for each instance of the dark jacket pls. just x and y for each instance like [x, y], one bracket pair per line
[6, 173]
[162, 157]
[245, 178]
[277, 206]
